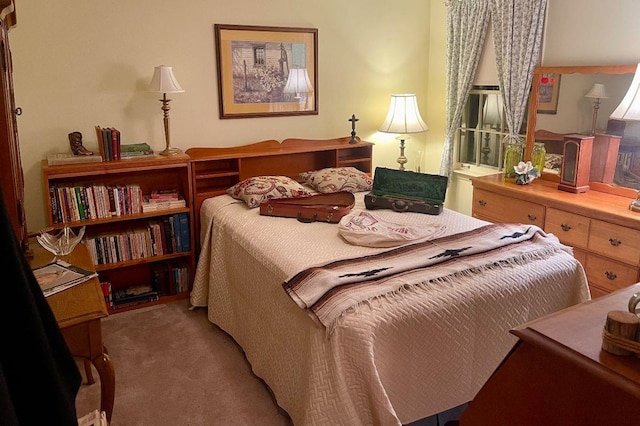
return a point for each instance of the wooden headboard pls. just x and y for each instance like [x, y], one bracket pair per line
[213, 170]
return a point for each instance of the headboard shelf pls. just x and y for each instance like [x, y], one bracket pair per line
[216, 169]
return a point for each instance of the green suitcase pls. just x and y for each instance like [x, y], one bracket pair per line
[403, 191]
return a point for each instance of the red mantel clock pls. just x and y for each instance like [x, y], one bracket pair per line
[576, 163]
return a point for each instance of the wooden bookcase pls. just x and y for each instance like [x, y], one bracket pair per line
[155, 173]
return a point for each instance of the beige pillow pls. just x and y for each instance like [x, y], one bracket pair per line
[335, 179]
[259, 188]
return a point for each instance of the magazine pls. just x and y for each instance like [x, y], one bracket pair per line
[60, 275]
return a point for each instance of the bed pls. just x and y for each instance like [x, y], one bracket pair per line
[387, 359]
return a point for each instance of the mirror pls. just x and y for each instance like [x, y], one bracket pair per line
[559, 107]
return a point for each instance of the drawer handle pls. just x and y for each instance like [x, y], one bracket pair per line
[482, 203]
[532, 217]
[565, 228]
[615, 242]
[611, 275]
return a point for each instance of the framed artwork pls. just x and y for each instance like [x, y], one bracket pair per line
[548, 89]
[266, 71]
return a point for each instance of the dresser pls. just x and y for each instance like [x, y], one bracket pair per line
[557, 373]
[604, 233]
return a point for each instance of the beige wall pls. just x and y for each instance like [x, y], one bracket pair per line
[81, 63]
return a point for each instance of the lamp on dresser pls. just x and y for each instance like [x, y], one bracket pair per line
[403, 117]
[629, 110]
[164, 82]
[597, 92]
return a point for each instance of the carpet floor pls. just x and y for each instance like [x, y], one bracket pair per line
[173, 367]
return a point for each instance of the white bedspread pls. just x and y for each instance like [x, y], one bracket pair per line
[392, 360]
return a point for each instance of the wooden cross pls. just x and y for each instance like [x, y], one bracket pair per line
[353, 120]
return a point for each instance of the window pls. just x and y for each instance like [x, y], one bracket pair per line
[483, 128]
[259, 56]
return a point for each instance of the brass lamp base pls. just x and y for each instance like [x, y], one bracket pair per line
[170, 151]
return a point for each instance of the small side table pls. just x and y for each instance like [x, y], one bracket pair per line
[78, 311]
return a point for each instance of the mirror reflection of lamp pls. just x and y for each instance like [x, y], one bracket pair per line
[298, 82]
[403, 117]
[629, 110]
[597, 92]
[491, 116]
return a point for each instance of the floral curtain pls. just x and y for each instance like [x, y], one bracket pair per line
[517, 35]
[467, 24]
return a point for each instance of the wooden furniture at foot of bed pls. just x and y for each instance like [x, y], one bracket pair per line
[213, 170]
[558, 374]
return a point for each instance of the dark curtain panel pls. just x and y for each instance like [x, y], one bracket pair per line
[39, 379]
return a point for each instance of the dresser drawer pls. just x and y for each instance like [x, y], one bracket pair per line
[609, 274]
[505, 209]
[572, 229]
[581, 256]
[614, 241]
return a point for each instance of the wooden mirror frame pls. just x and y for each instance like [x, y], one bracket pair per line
[533, 111]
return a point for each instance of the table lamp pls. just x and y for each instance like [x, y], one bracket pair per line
[492, 117]
[403, 117]
[164, 82]
[597, 92]
[629, 110]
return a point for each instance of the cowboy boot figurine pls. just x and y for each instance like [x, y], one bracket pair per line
[75, 140]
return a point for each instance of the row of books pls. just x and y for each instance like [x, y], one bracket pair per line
[111, 148]
[108, 143]
[168, 278]
[166, 235]
[73, 203]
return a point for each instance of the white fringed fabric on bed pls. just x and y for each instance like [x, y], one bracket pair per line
[391, 360]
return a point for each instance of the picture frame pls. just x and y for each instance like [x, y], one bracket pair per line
[266, 71]
[548, 91]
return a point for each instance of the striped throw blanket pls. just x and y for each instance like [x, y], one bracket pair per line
[327, 291]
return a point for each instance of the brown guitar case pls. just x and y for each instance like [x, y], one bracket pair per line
[314, 208]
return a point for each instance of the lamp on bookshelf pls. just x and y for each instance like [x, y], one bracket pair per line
[164, 82]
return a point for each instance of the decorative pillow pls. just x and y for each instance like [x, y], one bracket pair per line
[259, 188]
[335, 179]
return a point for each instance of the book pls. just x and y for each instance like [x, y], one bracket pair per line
[135, 148]
[177, 228]
[133, 295]
[164, 194]
[60, 275]
[62, 158]
[115, 143]
[149, 205]
[134, 155]
[185, 231]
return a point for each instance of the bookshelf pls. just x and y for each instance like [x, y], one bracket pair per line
[127, 245]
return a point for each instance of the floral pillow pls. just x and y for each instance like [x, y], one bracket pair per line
[259, 188]
[336, 179]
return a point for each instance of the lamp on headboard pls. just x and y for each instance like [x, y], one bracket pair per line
[164, 82]
[629, 110]
[597, 92]
[403, 117]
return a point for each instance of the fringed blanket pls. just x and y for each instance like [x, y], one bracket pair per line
[327, 291]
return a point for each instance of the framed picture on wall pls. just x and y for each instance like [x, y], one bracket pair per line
[548, 90]
[266, 71]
